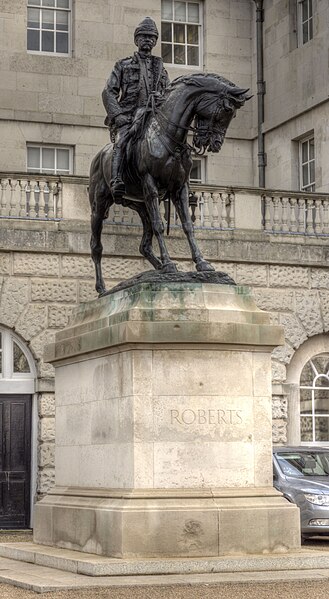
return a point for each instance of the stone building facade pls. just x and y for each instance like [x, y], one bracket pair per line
[273, 241]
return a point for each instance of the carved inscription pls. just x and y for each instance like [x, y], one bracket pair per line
[204, 417]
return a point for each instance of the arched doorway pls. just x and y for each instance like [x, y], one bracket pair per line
[17, 387]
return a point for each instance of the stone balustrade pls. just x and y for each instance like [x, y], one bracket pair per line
[296, 212]
[30, 196]
[212, 207]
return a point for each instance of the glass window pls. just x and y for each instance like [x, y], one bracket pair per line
[48, 26]
[305, 17]
[19, 359]
[181, 32]
[314, 400]
[14, 360]
[49, 159]
[197, 174]
[307, 164]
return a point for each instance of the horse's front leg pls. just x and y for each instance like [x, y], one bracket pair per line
[99, 209]
[151, 198]
[181, 202]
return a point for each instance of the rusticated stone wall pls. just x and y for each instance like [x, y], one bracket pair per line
[52, 272]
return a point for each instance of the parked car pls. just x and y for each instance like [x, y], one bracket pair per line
[302, 475]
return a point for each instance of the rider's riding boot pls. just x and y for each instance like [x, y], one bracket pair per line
[117, 186]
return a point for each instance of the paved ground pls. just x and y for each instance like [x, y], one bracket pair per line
[292, 589]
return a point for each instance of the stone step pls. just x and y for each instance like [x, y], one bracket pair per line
[95, 565]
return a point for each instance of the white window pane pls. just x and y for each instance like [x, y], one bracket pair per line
[33, 157]
[192, 34]
[47, 41]
[63, 3]
[195, 174]
[180, 11]
[19, 360]
[166, 10]
[312, 171]
[193, 12]
[311, 150]
[48, 18]
[63, 160]
[33, 2]
[192, 55]
[33, 18]
[305, 151]
[33, 39]
[62, 43]
[166, 53]
[179, 54]
[179, 34]
[166, 32]
[62, 20]
[48, 2]
[48, 158]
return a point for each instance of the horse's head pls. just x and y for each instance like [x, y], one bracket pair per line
[214, 110]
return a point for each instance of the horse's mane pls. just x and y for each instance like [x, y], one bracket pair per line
[201, 80]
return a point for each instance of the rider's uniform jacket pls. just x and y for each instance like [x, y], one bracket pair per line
[130, 83]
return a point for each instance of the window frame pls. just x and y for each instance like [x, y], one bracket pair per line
[69, 31]
[301, 22]
[202, 180]
[45, 171]
[185, 44]
[312, 412]
[8, 372]
[311, 184]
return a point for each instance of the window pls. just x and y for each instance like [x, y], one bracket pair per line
[197, 174]
[48, 26]
[49, 159]
[314, 400]
[305, 18]
[307, 164]
[14, 361]
[181, 32]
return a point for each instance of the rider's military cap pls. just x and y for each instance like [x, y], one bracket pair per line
[146, 26]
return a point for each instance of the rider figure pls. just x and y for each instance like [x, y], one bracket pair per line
[128, 88]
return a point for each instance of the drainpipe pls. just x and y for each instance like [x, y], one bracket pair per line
[260, 91]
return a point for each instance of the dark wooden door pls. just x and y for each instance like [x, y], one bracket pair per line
[15, 460]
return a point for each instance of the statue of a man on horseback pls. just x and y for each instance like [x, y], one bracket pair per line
[128, 88]
[146, 164]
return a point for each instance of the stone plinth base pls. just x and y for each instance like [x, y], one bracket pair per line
[164, 524]
[163, 427]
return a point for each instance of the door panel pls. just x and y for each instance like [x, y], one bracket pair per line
[15, 460]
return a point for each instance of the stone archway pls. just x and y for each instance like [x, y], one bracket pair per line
[18, 431]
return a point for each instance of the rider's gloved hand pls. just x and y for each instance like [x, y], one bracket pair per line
[121, 120]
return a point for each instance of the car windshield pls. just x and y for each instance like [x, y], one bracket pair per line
[310, 463]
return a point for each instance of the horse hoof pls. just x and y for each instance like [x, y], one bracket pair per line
[170, 267]
[204, 266]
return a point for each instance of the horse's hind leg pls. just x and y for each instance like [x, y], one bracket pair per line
[152, 206]
[100, 201]
[145, 247]
[181, 204]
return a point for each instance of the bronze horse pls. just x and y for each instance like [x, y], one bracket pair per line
[158, 163]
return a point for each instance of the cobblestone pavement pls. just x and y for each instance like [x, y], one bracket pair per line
[259, 590]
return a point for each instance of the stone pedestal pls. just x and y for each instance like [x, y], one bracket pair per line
[163, 427]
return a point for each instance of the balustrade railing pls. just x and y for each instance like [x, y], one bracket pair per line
[31, 197]
[209, 210]
[296, 213]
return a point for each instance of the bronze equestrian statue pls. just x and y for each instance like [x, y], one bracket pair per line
[157, 161]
